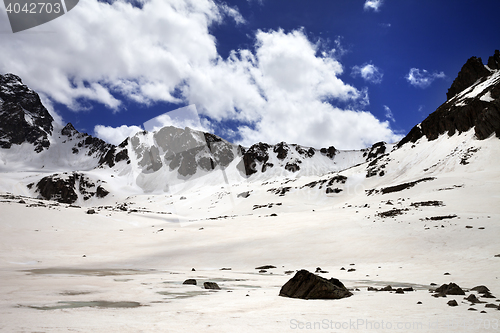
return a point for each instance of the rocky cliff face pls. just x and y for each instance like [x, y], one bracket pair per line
[23, 118]
[473, 102]
[107, 154]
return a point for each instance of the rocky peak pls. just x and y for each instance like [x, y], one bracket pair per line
[494, 61]
[472, 71]
[473, 102]
[69, 130]
[23, 118]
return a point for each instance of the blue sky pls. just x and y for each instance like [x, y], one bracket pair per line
[319, 72]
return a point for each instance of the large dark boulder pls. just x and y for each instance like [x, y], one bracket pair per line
[211, 286]
[306, 285]
[450, 289]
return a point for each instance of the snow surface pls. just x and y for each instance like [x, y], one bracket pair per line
[56, 260]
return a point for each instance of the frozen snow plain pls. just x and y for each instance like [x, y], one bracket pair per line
[122, 269]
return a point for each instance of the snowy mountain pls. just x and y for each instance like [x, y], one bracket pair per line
[55, 158]
[38, 158]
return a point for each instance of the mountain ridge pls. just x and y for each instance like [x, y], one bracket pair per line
[70, 166]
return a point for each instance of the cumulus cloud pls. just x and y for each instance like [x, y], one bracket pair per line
[421, 78]
[285, 87]
[115, 135]
[373, 5]
[232, 12]
[388, 113]
[100, 50]
[368, 72]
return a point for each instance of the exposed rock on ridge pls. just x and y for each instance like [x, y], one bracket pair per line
[472, 71]
[23, 118]
[107, 153]
[473, 102]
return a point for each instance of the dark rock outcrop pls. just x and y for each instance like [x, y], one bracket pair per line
[23, 118]
[329, 152]
[305, 152]
[306, 285]
[255, 155]
[472, 71]
[190, 281]
[375, 151]
[281, 149]
[404, 186]
[67, 187]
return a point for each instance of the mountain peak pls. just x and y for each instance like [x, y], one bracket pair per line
[494, 60]
[472, 71]
[23, 118]
[69, 130]
[473, 102]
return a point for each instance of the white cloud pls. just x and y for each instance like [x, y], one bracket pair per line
[368, 72]
[232, 12]
[373, 5]
[388, 113]
[284, 88]
[47, 102]
[100, 49]
[422, 78]
[183, 117]
[115, 135]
